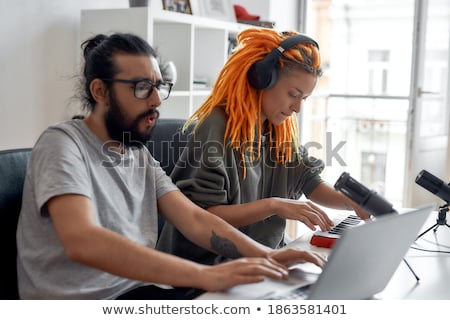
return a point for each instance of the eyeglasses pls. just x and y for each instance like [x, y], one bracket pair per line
[144, 88]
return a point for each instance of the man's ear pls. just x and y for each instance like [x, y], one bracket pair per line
[99, 91]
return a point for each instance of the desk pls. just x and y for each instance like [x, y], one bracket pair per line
[432, 268]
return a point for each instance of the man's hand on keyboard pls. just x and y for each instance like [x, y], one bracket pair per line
[291, 256]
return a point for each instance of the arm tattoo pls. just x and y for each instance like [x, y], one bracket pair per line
[224, 247]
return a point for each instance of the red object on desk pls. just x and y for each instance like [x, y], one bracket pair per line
[323, 239]
[327, 239]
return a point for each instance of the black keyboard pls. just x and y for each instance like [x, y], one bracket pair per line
[348, 222]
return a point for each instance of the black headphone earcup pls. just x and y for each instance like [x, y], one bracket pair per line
[263, 74]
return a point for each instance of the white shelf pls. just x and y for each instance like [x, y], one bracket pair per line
[197, 21]
[198, 46]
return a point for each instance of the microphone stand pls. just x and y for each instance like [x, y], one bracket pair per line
[440, 221]
[412, 271]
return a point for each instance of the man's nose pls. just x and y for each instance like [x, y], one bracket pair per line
[154, 100]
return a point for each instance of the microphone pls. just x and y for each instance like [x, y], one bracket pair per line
[434, 185]
[367, 199]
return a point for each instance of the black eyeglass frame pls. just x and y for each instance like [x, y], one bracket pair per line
[156, 86]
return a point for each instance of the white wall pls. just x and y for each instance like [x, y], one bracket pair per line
[38, 54]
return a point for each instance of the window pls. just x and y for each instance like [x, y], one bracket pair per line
[378, 62]
[362, 99]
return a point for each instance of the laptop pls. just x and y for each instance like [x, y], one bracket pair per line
[360, 264]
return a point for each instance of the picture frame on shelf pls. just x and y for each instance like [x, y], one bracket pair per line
[215, 9]
[182, 6]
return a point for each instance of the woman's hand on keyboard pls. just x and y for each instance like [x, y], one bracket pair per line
[363, 214]
[304, 211]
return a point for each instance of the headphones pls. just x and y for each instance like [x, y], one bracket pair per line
[263, 74]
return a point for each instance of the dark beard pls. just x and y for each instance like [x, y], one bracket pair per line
[126, 135]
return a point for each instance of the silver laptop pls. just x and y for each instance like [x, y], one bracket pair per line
[359, 266]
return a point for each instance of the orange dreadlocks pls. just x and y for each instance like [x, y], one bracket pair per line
[242, 103]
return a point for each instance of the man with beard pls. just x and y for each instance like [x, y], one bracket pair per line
[88, 225]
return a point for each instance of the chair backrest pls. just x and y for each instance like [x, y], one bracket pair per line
[166, 145]
[168, 142]
[13, 167]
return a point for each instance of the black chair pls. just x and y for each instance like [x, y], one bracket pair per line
[13, 167]
[166, 145]
[168, 142]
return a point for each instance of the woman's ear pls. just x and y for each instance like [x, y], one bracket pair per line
[99, 91]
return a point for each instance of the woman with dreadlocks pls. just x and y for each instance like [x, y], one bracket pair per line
[243, 161]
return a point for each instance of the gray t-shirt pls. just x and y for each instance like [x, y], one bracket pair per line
[69, 159]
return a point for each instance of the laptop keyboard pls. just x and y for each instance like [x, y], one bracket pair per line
[295, 294]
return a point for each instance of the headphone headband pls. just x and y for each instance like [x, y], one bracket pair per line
[263, 74]
[297, 39]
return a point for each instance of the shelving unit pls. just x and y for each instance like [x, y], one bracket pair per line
[198, 46]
